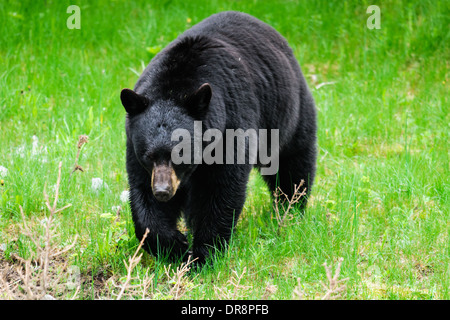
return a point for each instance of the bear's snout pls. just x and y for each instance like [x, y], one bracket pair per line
[164, 182]
[163, 193]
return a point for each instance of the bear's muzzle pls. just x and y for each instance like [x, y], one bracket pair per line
[164, 182]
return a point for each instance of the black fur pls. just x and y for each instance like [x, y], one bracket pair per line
[254, 82]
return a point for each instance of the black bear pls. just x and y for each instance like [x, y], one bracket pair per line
[230, 71]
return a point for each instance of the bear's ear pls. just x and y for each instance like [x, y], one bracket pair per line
[198, 103]
[134, 103]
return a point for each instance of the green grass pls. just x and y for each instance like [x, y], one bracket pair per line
[380, 200]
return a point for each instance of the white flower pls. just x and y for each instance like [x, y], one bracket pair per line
[36, 150]
[35, 146]
[3, 172]
[124, 196]
[97, 184]
[21, 151]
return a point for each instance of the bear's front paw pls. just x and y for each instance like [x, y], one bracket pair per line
[178, 246]
[200, 255]
[173, 246]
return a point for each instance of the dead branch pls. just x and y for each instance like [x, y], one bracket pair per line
[132, 262]
[178, 279]
[270, 290]
[298, 293]
[335, 287]
[236, 287]
[83, 139]
[36, 279]
[280, 200]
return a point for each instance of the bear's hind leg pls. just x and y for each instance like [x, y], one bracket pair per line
[294, 168]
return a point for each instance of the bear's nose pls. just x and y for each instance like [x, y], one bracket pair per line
[164, 182]
[162, 193]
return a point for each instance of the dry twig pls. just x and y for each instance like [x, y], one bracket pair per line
[335, 286]
[270, 290]
[236, 287]
[178, 279]
[132, 262]
[280, 198]
[298, 293]
[320, 85]
[34, 273]
[83, 139]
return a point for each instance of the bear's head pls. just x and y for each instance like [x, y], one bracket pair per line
[150, 125]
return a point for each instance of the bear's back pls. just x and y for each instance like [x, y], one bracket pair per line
[248, 63]
[229, 40]
[242, 30]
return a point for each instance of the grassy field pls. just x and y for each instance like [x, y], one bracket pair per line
[380, 201]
